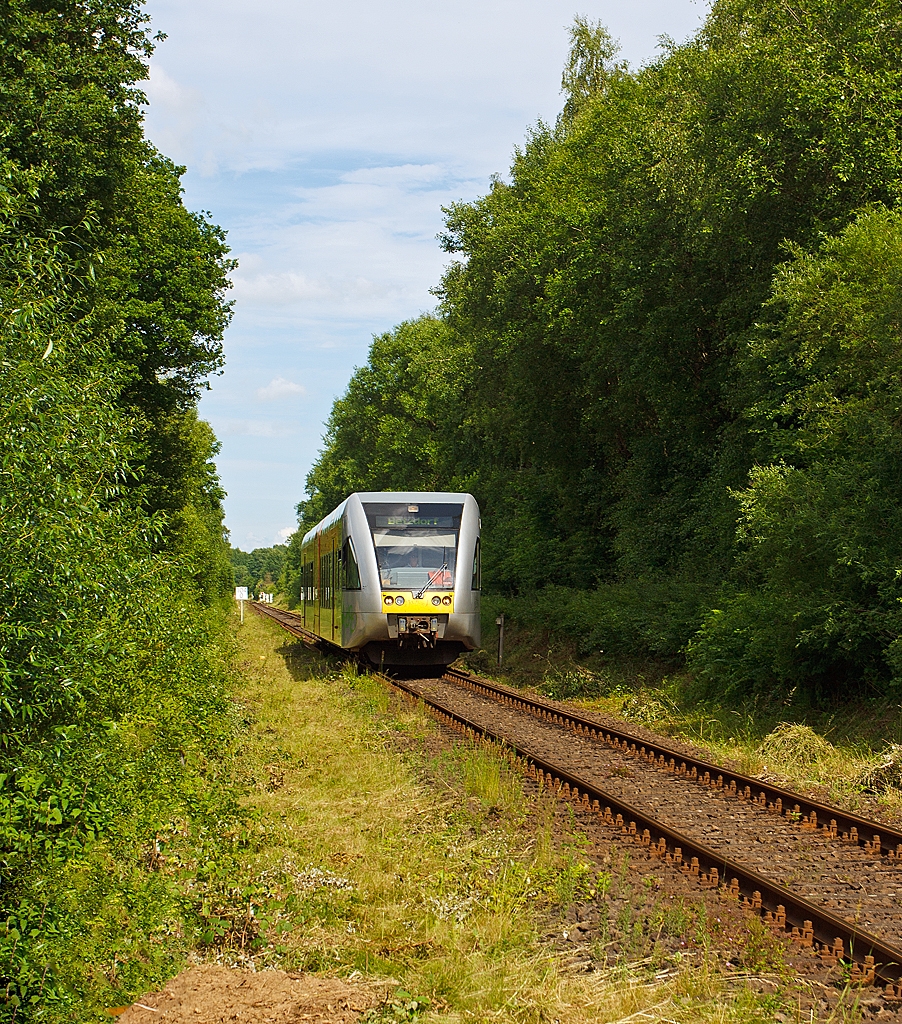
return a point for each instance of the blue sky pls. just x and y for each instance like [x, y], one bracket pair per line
[326, 138]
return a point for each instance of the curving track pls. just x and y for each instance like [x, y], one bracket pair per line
[832, 879]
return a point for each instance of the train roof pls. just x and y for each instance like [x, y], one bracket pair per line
[368, 496]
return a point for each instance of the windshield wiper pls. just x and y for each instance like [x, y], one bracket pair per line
[430, 581]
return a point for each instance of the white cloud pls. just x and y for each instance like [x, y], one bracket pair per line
[279, 388]
[251, 428]
[285, 533]
[362, 241]
[279, 289]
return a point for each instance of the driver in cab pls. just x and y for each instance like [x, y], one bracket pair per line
[413, 562]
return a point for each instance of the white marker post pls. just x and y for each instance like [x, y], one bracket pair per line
[499, 622]
[241, 597]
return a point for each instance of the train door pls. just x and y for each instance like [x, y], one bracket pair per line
[349, 583]
[303, 594]
[307, 584]
[336, 596]
[325, 591]
[318, 589]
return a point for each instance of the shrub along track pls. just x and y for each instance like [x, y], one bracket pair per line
[831, 879]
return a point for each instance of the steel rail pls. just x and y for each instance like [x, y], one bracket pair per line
[290, 622]
[875, 837]
[808, 924]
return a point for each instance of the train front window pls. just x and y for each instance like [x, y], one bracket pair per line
[416, 559]
[415, 549]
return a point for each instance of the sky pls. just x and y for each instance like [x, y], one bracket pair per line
[326, 138]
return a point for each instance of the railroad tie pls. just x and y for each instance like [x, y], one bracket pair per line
[755, 902]
[874, 847]
[710, 879]
[831, 955]
[803, 936]
[676, 858]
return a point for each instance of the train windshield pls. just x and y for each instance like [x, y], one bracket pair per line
[416, 545]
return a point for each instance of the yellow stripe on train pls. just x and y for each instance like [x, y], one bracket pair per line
[404, 602]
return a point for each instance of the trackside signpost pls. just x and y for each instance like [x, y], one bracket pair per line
[241, 597]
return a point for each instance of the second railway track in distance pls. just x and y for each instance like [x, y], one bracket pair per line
[833, 880]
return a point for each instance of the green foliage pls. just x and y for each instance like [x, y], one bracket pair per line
[109, 674]
[180, 483]
[112, 675]
[164, 277]
[589, 64]
[815, 594]
[70, 110]
[681, 429]
[259, 569]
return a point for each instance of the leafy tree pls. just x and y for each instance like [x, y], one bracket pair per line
[157, 275]
[259, 569]
[180, 483]
[111, 312]
[589, 65]
[814, 598]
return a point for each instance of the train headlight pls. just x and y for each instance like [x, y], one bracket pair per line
[402, 624]
[388, 599]
[436, 600]
[446, 600]
[433, 625]
[399, 601]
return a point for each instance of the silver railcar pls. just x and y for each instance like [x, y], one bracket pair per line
[394, 576]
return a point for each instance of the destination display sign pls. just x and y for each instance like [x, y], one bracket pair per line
[413, 515]
[441, 521]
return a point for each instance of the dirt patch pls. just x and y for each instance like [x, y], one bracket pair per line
[209, 994]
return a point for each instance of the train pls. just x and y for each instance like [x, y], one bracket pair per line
[394, 578]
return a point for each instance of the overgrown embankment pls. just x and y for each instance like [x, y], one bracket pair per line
[371, 844]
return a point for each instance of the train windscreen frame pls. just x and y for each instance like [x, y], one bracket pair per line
[416, 543]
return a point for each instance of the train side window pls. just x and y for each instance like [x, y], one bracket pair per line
[350, 574]
[477, 568]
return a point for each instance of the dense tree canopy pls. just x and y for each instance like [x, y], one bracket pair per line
[626, 316]
[259, 569]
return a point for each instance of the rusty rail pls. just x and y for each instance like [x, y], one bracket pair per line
[291, 622]
[810, 925]
[875, 837]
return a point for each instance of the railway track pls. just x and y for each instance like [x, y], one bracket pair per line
[854, 919]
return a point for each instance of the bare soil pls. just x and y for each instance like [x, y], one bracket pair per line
[210, 994]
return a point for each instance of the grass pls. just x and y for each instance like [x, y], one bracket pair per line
[370, 848]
